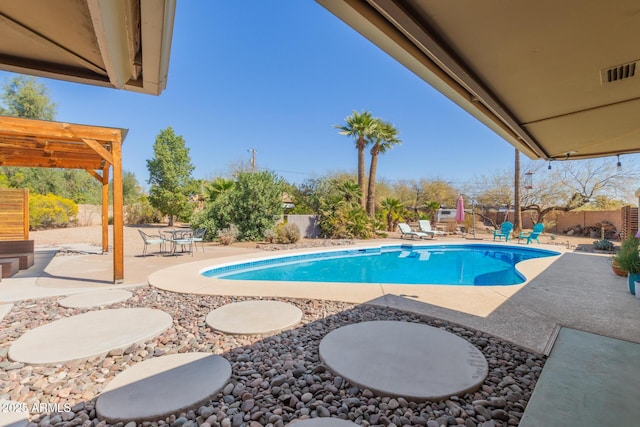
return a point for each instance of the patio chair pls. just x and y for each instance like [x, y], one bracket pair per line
[505, 231]
[533, 235]
[425, 227]
[151, 239]
[405, 230]
[198, 236]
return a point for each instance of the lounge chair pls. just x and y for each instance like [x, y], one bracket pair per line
[534, 235]
[505, 231]
[405, 230]
[198, 236]
[425, 227]
[151, 239]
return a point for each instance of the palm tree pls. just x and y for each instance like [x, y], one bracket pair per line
[383, 137]
[350, 191]
[218, 187]
[359, 126]
[393, 211]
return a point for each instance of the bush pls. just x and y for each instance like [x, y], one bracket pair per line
[270, 236]
[604, 245]
[200, 219]
[141, 212]
[287, 233]
[255, 203]
[50, 211]
[228, 235]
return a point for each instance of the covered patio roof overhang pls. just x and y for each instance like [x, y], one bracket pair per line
[557, 80]
[123, 44]
[45, 144]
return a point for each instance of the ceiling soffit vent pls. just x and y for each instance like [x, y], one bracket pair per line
[619, 72]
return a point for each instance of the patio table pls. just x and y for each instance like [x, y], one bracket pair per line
[182, 237]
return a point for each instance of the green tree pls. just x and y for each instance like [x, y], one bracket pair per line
[256, 203]
[423, 194]
[131, 189]
[359, 126]
[73, 184]
[25, 97]
[170, 175]
[383, 137]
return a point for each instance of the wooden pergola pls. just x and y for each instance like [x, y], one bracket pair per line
[45, 144]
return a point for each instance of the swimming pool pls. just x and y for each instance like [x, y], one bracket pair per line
[460, 265]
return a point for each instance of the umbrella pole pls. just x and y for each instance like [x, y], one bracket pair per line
[473, 217]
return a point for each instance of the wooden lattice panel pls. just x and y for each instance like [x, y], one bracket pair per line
[14, 214]
[629, 222]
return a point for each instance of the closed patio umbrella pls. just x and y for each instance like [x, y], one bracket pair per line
[460, 210]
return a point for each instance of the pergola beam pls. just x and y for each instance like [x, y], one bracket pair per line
[100, 149]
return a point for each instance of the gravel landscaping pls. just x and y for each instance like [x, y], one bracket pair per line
[275, 379]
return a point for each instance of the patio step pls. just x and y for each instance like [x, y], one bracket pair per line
[9, 267]
[588, 380]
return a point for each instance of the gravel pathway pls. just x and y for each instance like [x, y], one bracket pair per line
[275, 379]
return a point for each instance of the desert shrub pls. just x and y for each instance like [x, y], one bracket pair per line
[228, 235]
[287, 233]
[270, 236]
[604, 245]
[141, 212]
[50, 211]
[346, 222]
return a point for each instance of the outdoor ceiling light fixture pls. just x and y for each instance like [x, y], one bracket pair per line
[549, 165]
[619, 165]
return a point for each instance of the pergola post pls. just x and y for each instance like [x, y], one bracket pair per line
[105, 209]
[118, 213]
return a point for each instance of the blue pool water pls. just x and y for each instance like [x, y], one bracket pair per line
[442, 264]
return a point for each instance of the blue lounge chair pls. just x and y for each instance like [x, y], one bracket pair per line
[534, 235]
[505, 231]
[405, 230]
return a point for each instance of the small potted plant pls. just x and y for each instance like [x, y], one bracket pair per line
[628, 258]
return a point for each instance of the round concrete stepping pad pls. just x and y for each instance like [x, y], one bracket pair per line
[409, 360]
[13, 414]
[95, 298]
[322, 422]
[89, 334]
[254, 317]
[162, 386]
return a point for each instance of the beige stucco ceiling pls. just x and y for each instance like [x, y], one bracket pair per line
[124, 44]
[533, 71]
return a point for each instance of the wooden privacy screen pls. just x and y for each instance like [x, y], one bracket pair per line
[629, 222]
[14, 214]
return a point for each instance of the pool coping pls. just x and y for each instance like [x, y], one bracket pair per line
[474, 300]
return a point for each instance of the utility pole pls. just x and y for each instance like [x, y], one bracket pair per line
[253, 158]
[517, 215]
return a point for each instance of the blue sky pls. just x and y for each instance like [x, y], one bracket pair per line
[276, 76]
